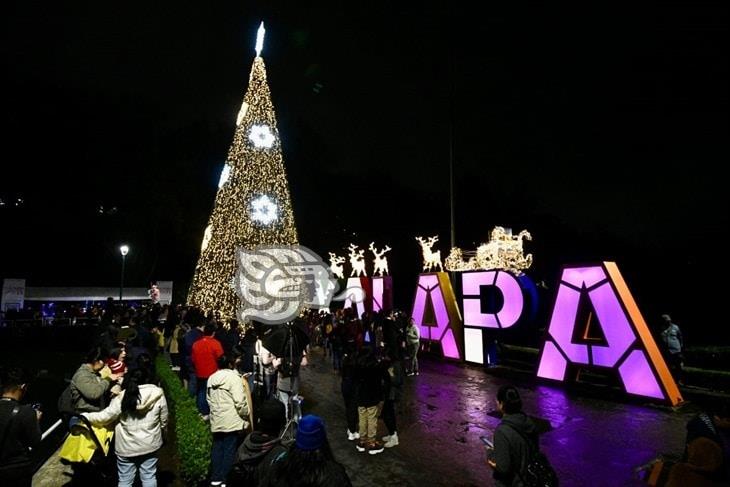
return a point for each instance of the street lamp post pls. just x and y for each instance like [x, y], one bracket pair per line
[124, 250]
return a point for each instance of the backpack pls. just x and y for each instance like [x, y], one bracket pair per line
[66, 402]
[538, 471]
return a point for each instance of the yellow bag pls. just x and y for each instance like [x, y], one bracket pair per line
[80, 445]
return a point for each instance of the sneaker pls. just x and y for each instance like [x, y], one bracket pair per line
[385, 439]
[375, 447]
[205, 417]
[392, 441]
[353, 436]
[360, 445]
[417, 373]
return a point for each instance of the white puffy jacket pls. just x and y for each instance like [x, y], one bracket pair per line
[136, 435]
[227, 401]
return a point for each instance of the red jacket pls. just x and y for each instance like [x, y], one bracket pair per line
[206, 352]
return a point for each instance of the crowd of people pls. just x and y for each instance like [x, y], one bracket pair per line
[246, 382]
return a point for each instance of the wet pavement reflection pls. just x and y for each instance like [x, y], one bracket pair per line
[444, 410]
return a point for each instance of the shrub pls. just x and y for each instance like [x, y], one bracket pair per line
[193, 435]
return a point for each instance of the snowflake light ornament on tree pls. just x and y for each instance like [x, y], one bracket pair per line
[261, 136]
[264, 210]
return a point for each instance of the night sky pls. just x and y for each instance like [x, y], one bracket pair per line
[601, 129]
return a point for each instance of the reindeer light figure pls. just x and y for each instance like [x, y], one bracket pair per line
[357, 261]
[430, 259]
[336, 265]
[380, 263]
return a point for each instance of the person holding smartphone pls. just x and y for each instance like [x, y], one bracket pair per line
[19, 430]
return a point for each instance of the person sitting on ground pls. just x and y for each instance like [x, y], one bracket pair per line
[262, 447]
[142, 412]
[310, 461]
[228, 400]
[19, 430]
[88, 387]
[514, 439]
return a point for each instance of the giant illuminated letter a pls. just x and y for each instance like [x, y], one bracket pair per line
[436, 313]
[628, 347]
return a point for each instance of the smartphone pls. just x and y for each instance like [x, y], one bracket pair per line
[487, 442]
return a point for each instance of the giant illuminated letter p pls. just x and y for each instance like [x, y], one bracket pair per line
[628, 346]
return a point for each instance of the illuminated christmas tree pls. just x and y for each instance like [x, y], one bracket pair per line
[252, 206]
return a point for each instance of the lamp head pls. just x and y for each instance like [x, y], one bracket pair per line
[124, 250]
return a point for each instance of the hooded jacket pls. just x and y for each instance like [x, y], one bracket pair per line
[257, 454]
[511, 451]
[138, 434]
[227, 401]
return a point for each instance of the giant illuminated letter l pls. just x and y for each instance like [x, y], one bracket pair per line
[628, 348]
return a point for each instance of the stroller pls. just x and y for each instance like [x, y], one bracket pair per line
[87, 448]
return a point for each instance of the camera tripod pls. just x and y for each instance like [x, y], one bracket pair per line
[294, 400]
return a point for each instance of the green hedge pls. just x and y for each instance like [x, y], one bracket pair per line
[193, 435]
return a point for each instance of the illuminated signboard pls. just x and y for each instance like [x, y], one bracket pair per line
[436, 313]
[365, 287]
[626, 345]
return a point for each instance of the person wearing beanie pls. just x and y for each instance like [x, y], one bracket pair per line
[310, 462]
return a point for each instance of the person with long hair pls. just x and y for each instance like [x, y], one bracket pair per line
[141, 409]
[309, 463]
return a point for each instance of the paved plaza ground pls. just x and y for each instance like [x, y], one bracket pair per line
[590, 442]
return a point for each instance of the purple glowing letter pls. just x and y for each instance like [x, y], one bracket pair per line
[627, 347]
[436, 312]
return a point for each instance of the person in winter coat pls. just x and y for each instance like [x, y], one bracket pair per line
[392, 396]
[262, 447]
[230, 406]
[88, 389]
[349, 393]
[141, 409]
[370, 379]
[310, 462]
[511, 452]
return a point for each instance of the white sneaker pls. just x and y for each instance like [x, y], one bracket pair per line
[353, 436]
[392, 441]
[385, 439]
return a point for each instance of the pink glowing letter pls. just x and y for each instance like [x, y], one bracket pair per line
[436, 312]
[627, 345]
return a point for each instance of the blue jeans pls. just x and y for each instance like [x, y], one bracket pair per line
[127, 470]
[222, 455]
[202, 399]
[192, 383]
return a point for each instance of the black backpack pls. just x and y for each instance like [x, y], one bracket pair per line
[65, 404]
[538, 471]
